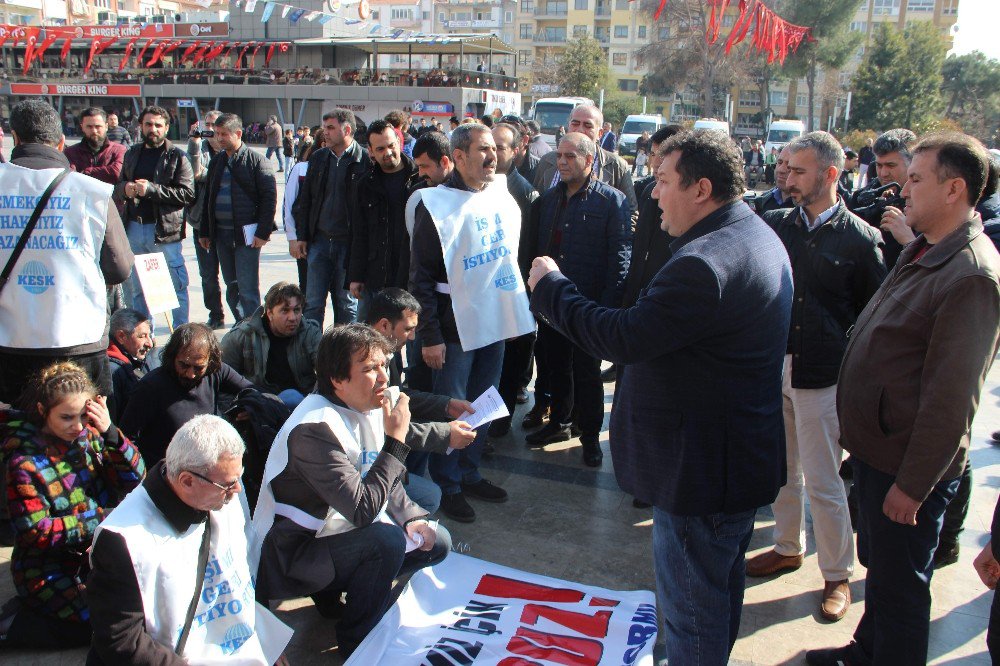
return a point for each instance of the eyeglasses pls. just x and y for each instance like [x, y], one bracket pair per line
[226, 489]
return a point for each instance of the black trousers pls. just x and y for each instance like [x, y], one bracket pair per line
[958, 509]
[517, 355]
[17, 369]
[574, 381]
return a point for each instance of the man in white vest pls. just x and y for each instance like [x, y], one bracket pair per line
[332, 515]
[170, 580]
[54, 306]
[463, 271]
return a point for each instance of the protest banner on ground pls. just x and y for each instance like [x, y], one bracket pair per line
[157, 287]
[466, 611]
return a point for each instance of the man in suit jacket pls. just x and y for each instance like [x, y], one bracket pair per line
[698, 415]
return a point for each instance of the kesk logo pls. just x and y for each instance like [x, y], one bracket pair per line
[235, 638]
[505, 279]
[35, 278]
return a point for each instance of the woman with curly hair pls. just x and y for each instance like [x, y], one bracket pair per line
[67, 467]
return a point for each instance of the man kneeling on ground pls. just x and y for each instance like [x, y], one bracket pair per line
[332, 514]
[275, 348]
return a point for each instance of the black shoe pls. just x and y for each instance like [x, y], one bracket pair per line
[216, 324]
[522, 396]
[574, 430]
[610, 375]
[639, 504]
[550, 433]
[592, 454]
[996, 437]
[831, 656]
[499, 428]
[535, 417]
[486, 491]
[946, 553]
[329, 604]
[457, 508]
[7, 534]
[489, 449]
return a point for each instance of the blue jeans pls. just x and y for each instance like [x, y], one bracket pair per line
[142, 239]
[271, 150]
[240, 265]
[208, 269]
[900, 562]
[424, 492]
[326, 275]
[700, 575]
[465, 376]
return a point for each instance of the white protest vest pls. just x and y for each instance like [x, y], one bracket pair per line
[479, 233]
[360, 434]
[229, 626]
[56, 294]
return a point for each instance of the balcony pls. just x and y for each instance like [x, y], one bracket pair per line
[544, 12]
[603, 12]
[549, 38]
[481, 24]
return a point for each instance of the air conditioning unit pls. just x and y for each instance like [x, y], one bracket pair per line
[107, 18]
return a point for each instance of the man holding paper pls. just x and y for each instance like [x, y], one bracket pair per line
[464, 273]
[238, 216]
[332, 515]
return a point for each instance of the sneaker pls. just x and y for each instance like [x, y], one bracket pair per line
[832, 656]
[549, 434]
[946, 553]
[484, 490]
[457, 508]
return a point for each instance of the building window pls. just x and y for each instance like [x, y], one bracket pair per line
[641, 32]
[885, 7]
[622, 5]
[802, 99]
[920, 5]
[402, 14]
[728, 20]
[579, 31]
[859, 26]
[441, 17]
[527, 6]
[663, 32]
[621, 32]
[950, 8]
[524, 57]
[557, 34]
[525, 31]
[628, 85]
[779, 98]
[619, 59]
[582, 4]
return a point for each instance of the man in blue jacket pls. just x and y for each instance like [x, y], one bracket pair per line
[697, 420]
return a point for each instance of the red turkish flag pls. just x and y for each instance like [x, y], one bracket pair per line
[270, 53]
[65, 49]
[29, 52]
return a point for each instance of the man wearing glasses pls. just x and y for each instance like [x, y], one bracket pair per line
[177, 539]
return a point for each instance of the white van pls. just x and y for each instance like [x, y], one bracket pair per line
[781, 132]
[712, 124]
[551, 113]
[632, 129]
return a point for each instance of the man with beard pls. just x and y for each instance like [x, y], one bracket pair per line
[188, 383]
[836, 266]
[95, 155]
[155, 185]
[380, 245]
[463, 262]
[432, 157]
[128, 353]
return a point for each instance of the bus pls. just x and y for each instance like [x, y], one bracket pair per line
[552, 112]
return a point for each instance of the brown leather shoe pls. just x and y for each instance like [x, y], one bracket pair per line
[836, 599]
[772, 562]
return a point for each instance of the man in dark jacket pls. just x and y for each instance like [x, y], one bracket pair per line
[96, 156]
[698, 413]
[585, 224]
[432, 157]
[515, 374]
[322, 230]
[238, 214]
[837, 265]
[131, 342]
[155, 185]
[778, 196]
[380, 244]
[38, 139]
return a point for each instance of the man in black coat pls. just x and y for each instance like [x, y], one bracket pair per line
[698, 418]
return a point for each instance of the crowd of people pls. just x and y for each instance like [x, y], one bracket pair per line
[753, 341]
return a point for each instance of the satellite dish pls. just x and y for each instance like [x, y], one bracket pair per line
[364, 10]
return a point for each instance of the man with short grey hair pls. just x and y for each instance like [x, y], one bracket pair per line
[179, 520]
[584, 223]
[837, 265]
[131, 341]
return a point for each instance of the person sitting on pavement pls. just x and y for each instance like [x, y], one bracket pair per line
[131, 340]
[332, 514]
[154, 536]
[275, 348]
[68, 466]
[395, 314]
[188, 382]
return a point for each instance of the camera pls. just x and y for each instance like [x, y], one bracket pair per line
[201, 134]
[871, 204]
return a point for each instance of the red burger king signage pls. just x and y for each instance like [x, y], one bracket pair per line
[77, 89]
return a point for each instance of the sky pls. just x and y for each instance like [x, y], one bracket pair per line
[977, 27]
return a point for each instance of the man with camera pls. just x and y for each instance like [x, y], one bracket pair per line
[880, 204]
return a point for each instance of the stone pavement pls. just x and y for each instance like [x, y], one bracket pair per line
[569, 521]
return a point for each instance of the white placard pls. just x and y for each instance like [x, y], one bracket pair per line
[157, 287]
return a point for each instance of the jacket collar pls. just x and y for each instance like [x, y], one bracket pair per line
[837, 221]
[38, 156]
[180, 516]
[949, 246]
[376, 175]
[722, 217]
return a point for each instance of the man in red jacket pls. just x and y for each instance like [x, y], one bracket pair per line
[95, 156]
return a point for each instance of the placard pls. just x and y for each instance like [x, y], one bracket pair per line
[157, 287]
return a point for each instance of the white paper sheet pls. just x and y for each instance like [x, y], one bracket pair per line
[248, 232]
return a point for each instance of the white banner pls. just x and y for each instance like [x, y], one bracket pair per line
[466, 611]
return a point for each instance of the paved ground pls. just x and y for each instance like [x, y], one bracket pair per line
[570, 521]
